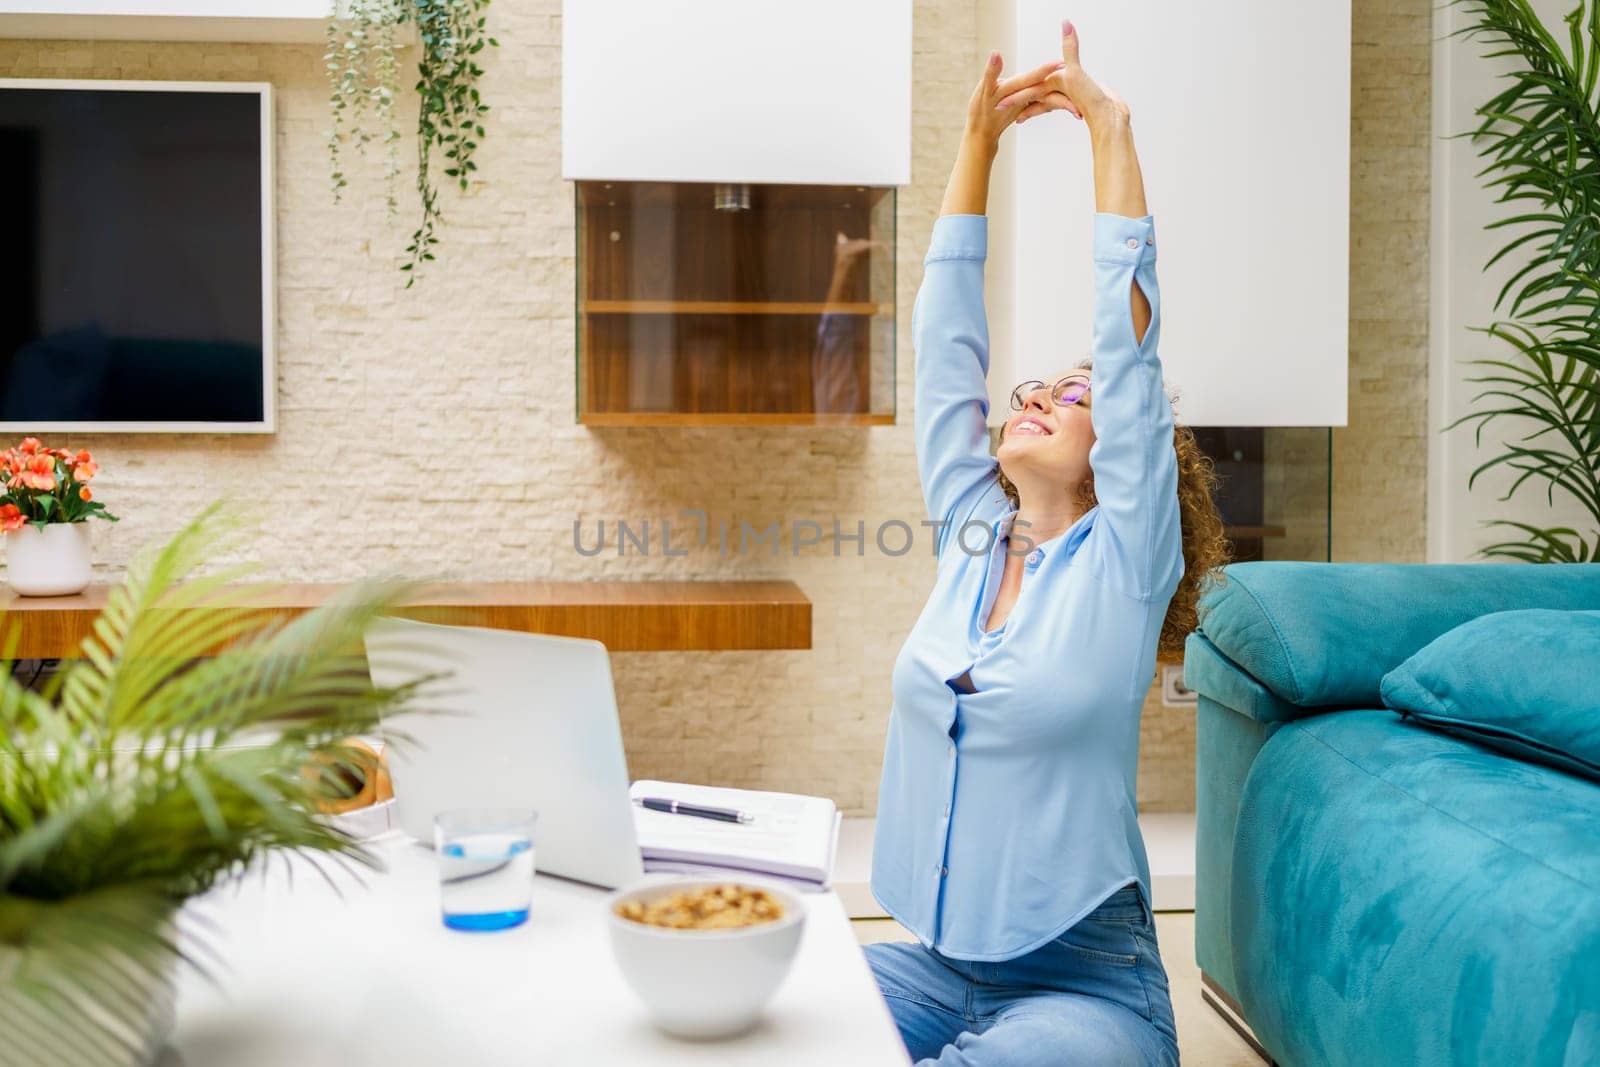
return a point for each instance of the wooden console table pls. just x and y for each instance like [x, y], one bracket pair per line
[624, 616]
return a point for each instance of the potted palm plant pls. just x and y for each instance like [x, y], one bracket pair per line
[1539, 137]
[194, 736]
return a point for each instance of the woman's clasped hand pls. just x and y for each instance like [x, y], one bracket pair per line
[1061, 85]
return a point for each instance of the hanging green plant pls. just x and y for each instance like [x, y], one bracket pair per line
[363, 78]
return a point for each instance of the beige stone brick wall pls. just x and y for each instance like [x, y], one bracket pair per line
[385, 394]
[1380, 460]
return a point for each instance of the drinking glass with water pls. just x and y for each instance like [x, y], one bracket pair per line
[485, 866]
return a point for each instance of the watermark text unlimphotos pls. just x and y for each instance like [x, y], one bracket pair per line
[692, 529]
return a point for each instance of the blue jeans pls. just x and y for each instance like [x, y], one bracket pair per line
[1096, 995]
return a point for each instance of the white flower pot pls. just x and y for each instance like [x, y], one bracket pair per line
[53, 561]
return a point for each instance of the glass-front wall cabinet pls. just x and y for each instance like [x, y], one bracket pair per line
[734, 304]
[1273, 489]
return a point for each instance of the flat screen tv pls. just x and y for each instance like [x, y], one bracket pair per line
[136, 281]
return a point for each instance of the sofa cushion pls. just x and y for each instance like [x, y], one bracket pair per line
[1401, 896]
[1325, 634]
[1524, 682]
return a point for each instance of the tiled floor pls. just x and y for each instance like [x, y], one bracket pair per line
[1204, 1040]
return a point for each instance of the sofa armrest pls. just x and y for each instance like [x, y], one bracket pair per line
[1208, 672]
[1321, 635]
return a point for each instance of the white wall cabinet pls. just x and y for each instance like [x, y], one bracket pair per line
[166, 20]
[737, 91]
[1241, 111]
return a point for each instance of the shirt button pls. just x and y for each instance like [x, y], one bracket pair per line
[943, 871]
[1133, 242]
[952, 752]
[1034, 557]
[1149, 240]
[947, 811]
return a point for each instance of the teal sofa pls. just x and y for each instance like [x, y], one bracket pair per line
[1370, 891]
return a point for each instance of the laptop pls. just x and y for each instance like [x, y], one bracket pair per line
[524, 721]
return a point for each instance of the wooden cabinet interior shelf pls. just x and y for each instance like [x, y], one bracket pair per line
[624, 616]
[735, 305]
[1255, 532]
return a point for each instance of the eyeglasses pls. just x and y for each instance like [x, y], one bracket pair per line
[1068, 390]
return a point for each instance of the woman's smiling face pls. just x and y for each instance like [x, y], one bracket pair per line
[1047, 439]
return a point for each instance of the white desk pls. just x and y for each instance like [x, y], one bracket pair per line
[311, 979]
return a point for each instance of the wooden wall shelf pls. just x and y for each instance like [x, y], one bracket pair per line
[624, 616]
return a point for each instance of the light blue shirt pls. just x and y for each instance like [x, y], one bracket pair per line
[1008, 814]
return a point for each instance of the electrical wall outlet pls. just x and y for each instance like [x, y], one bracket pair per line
[1174, 694]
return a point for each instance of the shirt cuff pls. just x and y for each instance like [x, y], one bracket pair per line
[1120, 239]
[959, 237]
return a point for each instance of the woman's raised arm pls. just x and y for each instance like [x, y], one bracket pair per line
[1133, 459]
[948, 327]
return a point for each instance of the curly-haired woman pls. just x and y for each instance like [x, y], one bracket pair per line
[1007, 835]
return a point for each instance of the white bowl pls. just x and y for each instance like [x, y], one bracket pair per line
[705, 983]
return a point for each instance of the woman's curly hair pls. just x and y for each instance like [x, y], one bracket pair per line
[1205, 546]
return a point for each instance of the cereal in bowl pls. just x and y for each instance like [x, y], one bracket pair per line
[716, 907]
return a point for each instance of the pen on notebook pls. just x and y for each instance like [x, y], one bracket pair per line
[678, 807]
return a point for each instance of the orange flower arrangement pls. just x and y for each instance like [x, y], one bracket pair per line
[46, 485]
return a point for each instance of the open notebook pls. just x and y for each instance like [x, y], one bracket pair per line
[791, 837]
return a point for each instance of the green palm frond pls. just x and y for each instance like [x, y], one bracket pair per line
[1540, 138]
[171, 755]
[1559, 545]
[86, 973]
